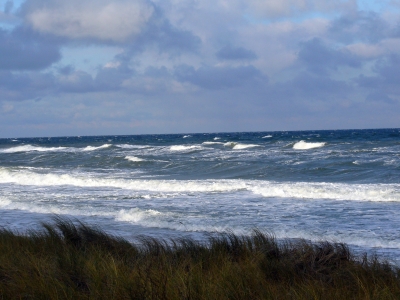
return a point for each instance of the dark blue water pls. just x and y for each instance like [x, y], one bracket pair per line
[339, 185]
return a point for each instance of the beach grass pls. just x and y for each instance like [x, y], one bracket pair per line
[70, 260]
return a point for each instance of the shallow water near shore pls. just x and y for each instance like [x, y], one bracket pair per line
[341, 186]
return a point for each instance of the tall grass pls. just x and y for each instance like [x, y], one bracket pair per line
[70, 260]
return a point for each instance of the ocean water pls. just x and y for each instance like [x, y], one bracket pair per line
[341, 186]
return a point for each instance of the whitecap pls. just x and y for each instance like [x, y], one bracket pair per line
[186, 136]
[184, 148]
[302, 145]
[238, 146]
[212, 143]
[267, 136]
[134, 158]
[217, 138]
[30, 148]
[136, 215]
[127, 146]
[91, 148]
[244, 146]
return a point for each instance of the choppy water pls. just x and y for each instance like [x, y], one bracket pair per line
[332, 185]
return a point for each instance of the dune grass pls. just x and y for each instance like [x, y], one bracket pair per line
[70, 260]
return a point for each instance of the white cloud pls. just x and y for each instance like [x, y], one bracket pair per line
[98, 19]
[384, 47]
[284, 8]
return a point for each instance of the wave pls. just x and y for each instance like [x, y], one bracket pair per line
[186, 136]
[267, 136]
[238, 146]
[92, 148]
[302, 145]
[268, 189]
[134, 158]
[127, 146]
[212, 143]
[184, 148]
[30, 148]
[217, 138]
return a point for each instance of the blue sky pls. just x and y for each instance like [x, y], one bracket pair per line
[94, 67]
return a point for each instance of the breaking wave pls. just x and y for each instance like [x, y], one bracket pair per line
[30, 148]
[238, 146]
[134, 158]
[268, 189]
[302, 145]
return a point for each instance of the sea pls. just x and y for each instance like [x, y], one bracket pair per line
[331, 185]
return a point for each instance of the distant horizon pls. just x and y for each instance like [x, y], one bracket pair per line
[190, 133]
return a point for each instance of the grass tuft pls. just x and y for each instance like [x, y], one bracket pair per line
[70, 260]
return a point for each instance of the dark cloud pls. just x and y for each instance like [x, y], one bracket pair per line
[21, 49]
[75, 82]
[235, 53]
[379, 96]
[359, 27]
[319, 58]
[8, 6]
[384, 84]
[111, 77]
[308, 87]
[25, 86]
[166, 38]
[219, 77]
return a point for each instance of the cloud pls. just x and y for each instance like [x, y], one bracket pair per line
[285, 8]
[103, 20]
[359, 26]
[8, 6]
[319, 57]
[235, 53]
[22, 50]
[219, 77]
[166, 38]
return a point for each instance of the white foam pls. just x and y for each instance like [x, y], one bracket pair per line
[244, 146]
[91, 148]
[217, 138]
[29, 148]
[186, 136]
[302, 145]
[267, 136]
[184, 148]
[136, 215]
[238, 146]
[332, 191]
[134, 158]
[296, 190]
[212, 143]
[127, 146]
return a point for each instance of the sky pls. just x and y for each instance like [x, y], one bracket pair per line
[118, 67]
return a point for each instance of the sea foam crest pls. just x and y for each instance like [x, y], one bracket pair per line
[127, 146]
[136, 215]
[134, 158]
[92, 148]
[29, 148]
[239, 146]
[296, 190]
[302, 145]
[184, 148]
[212, 143]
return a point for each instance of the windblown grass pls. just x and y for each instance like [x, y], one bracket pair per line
[70, 260]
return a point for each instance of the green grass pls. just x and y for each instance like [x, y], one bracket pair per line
[70, 260]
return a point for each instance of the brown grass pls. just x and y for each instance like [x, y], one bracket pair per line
[70, 260]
